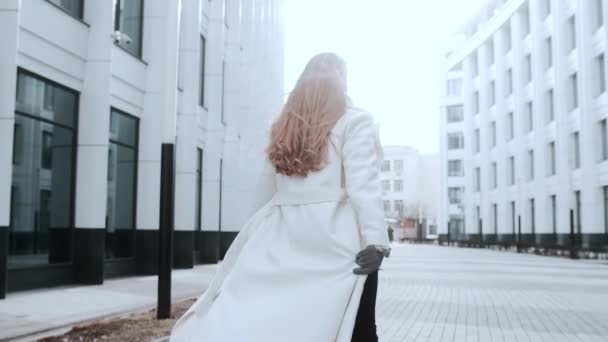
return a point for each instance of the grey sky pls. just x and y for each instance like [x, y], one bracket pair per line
[392, 49]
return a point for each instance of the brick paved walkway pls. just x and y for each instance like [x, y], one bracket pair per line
[432, 293]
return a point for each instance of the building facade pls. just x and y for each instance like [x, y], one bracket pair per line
[89, 90]
[534, 146]
[409, 191]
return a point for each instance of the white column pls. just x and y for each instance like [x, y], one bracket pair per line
[9, 33]
[94, 120]
[185, 176]
[160, 50]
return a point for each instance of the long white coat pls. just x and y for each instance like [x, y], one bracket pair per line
[288, 275]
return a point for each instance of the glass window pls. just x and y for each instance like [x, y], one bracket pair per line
[477, 140]
[509, 80]
[573, 85]
[73, 7]
[43, 175]
[532, 216]
[199, 197]
[387, 205]
[599, 13]
[530, 164]
[604, 141]
[510, 126]
[201, 97]
[455, 113]
[548, 50]
[511, 170]
[455, 141]
[576, 146]
[571, 34]
[490, 49]
[455, 195]
[122, 185]
[493, 176]
[455, 168]
[477, 179]
[554, 213]
[528, 72]
[545, 8]
[551, 156]
[605, 208]
[386, 185]
[525, 21]
[476, 106]
[399, 206]
[454, 87]
[398, 184]
[513, 219]
[550, 106]
[474, 64]
[530, 112]
[600, 65]
[398, 166]
[492, 93]
[45, 100]
[493, 134]
[495, 217]
[129, 21]
[506, 32]
[386, 166]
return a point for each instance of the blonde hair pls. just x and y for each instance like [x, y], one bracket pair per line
[300, 135]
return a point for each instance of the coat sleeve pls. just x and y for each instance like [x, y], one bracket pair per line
[362, 156]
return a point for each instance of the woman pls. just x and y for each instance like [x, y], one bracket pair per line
[296, 271]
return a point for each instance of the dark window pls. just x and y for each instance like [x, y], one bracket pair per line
[573, 92]
[548, 53]
[42, 202]
[495, 217]
[122, 185]
[601, 74]
[554, 213]
[223, 90]
[201, 97]
[571, 34]
[577, 201]
[532, 216]
[513, 218]
[550, 106]
[129, 22]
[199, 197]
[455, 113]
[72, 7]
[47, 150]
[17, 143]
[605, 188]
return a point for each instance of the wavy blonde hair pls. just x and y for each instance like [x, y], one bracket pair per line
[300, 135]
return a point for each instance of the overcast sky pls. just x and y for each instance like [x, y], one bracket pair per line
[392, 49]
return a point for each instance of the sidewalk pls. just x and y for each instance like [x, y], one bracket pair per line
[24, 314]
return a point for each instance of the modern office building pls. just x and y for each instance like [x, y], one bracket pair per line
[409, 190]
[529, 145]
[89, 90]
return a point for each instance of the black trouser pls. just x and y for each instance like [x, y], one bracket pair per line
[365, 325]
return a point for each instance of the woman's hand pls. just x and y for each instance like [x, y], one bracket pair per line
[369, 260]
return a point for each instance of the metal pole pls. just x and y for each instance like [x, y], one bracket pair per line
[573, 253]
[519, 234]
[165, 250]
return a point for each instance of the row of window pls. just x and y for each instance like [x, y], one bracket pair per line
[398, 206]
[531, 213]
[397, 185]
[386, 166]
[43, 177]
[129, 20]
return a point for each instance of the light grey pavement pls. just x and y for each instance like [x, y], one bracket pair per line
[432, 293]
[427, 293]
[26, 313]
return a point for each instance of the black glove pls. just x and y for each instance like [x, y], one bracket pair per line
[369, 260]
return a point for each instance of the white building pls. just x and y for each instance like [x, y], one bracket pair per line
[534, 124]
[89, 90]
[410, 189]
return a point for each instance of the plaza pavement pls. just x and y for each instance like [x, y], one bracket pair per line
[432, 293]
[426, 293]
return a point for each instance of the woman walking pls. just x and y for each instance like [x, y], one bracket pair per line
[297, 270]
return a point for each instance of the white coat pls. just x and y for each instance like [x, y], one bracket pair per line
[288, 275]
